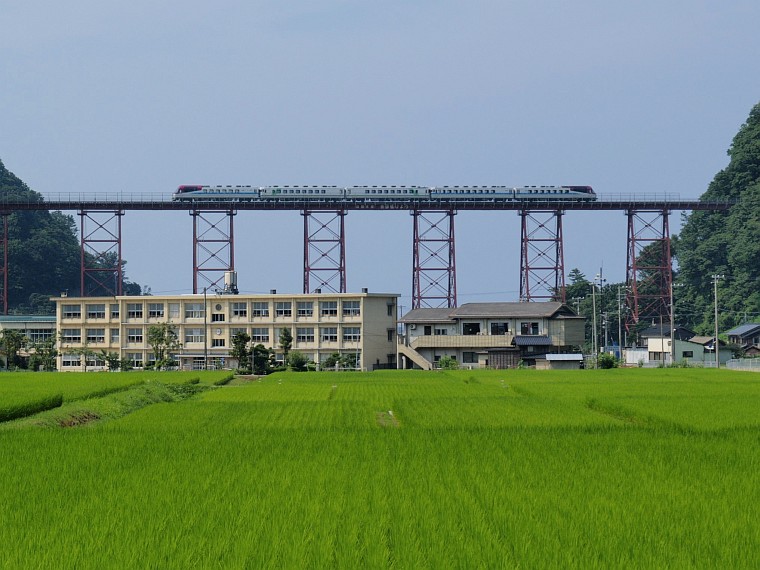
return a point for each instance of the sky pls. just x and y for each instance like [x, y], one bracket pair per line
[630, 98]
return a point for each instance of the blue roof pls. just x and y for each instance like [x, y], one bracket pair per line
[742, 330]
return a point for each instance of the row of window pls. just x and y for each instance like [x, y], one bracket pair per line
[192, 334]
[195, 310]
[526, 328]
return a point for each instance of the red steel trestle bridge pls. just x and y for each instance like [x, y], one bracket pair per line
[542, 269]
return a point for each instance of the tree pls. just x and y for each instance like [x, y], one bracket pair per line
[286, 341]
[297, 361]
[163, 340]
[12, 342]
[261, 359]
[579, 286]
[112, 360]
[45, 353]
[44, 253]
[241, 352]
[724, 242]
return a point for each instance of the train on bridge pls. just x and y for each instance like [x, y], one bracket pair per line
[197, 193]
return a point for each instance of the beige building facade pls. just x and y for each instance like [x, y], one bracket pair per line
[361, 324]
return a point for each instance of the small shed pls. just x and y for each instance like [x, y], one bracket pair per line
[560, 362]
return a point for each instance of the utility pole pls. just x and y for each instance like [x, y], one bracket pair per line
[620, 324]
[593, 305]
[715, 278]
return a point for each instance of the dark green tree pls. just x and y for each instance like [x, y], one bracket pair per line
[297, 361]
[261, 358]
[164, 341]
[12, 341]
[241, 352]
[44, 355]
[286, 341]
[725, 242]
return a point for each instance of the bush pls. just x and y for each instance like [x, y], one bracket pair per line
[297, 361]
[607, 360]
[448, 363]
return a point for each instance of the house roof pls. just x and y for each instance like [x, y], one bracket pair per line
[744, 330]
[705, 340]
[490, 310]
[533, 340]
[565, 357]
[682, 333]
[427, 316]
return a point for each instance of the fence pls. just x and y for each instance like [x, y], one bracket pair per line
[751, 364]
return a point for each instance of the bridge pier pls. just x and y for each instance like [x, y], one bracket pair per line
[649, 273]
[542, 258]
[100, 248]
[434, 273]
[213, 248]
[324, 250]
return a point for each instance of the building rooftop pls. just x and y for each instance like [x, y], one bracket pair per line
[744, 329]
[489, 310]
[27, 318]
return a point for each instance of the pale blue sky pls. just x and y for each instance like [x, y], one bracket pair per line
[143, 96]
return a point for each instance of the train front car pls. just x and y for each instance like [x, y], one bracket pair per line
[186, 192]
[585, 193]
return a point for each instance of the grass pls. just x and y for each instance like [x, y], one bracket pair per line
[589, 469]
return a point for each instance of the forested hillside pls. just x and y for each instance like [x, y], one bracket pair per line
[43, 252]
[725, 243]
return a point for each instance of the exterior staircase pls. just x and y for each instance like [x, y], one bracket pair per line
[415, 357]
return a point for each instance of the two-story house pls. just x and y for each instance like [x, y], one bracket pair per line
[494, 335]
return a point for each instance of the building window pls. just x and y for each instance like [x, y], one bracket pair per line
[240, 310]
[328, 308]
[114, 310]
[134, 310]
[351, 308]
[194, 310]
[305, 308]
[428, 330]
[352, 334]
[173, 310]
[305, 334]
[328, 334]
[39, 335]
[687, 354]
[135, 359]
[391, 334]
[441, 332]
[391, 307]
[134, 335]
[499, 328]
[283, 309]
[529, 328]
[234, 331]
[71, 360]
[155, 310]
[470, 328]
[114, 336]
[96, 311]
[193, 335]
[469, 357]
[217, 317]
[95, 361]
[260, 309]
[217, 342]
[72, 311]
[260, 335]
[72, 335]
[96, 335]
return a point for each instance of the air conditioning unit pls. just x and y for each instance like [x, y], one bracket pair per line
[413, 326]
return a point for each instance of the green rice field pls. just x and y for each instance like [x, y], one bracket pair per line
[625, 468]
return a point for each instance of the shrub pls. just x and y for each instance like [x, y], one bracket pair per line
[448, 363]
[607, 360]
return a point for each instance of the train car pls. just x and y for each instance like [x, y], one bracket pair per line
[378, 193]
[287, 193]
[216, 193]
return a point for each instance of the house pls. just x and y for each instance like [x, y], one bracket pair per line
[493, 335]
[357, 325]
[698, 350]
[746, 337]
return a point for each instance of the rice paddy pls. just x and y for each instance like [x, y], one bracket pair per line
[506, 469]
